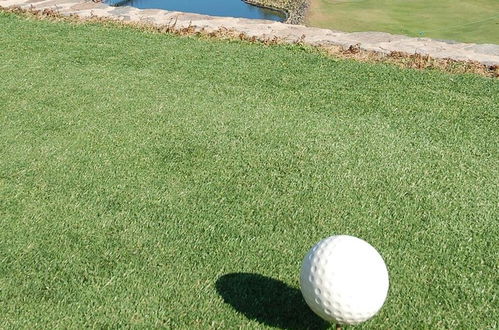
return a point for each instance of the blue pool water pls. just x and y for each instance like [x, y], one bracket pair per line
[230, 8]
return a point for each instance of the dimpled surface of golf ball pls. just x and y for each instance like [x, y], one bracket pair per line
[344, 279]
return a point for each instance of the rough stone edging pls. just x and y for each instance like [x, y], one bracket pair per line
[377, 42]
[296, 10]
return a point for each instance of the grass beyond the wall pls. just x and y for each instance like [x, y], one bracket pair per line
[474, 21]
[149, 180]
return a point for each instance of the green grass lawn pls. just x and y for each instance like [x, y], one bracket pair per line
[153, 180]
[466, 20]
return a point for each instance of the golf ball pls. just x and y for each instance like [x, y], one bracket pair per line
[344, 280]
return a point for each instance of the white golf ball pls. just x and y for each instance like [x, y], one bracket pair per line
[344, 279]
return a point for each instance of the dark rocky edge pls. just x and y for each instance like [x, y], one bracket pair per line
[295, 9]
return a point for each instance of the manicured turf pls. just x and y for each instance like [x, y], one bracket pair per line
[151, 180]
[466, 20]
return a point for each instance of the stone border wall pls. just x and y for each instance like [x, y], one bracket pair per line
[296, 10]
[380, 43]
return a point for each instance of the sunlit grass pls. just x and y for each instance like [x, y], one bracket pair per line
[149, 180]
[467, 21]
